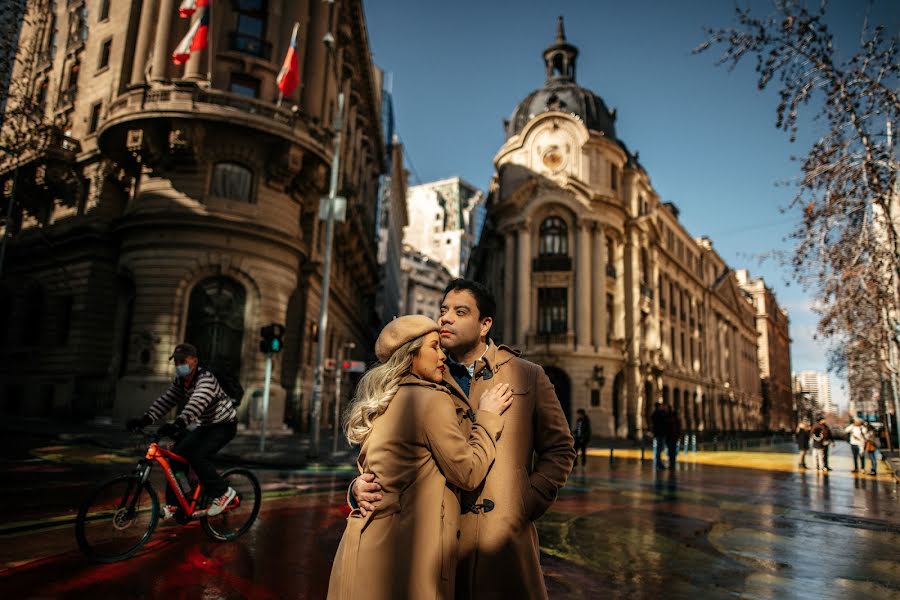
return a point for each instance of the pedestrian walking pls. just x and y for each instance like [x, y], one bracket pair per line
[582, 435]
[870, 447]
[411, 431]
[802, 438]
[857, 440]
[822, 439]
[659, 424]
[673, 434]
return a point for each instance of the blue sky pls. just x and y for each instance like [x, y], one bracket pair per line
[705, 135]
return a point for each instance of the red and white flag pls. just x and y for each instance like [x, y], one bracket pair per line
[187, 8]
[290, 68]
[196, 36]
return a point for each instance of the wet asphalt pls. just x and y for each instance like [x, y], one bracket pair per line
[718, 525]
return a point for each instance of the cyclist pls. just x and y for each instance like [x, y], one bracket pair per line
[208, 406]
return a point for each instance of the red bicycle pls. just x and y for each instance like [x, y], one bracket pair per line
[119, 517]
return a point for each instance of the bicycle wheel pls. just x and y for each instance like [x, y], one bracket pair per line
[117, 519]
[241, 513]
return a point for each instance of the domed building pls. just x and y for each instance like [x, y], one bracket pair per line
[597, 280]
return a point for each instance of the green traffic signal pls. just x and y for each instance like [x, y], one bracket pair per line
[271, 341]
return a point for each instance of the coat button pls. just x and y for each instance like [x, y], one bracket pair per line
[457, 534]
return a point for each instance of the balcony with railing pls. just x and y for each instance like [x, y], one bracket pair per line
[536, 341]
[185, 100]
[556, 262]
[66, 97]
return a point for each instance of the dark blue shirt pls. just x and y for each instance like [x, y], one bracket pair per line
[461, 374]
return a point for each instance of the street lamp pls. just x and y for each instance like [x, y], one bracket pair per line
[327, 212]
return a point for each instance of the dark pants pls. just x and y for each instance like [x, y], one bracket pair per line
[582, 447]
[859, 458]
[672, 446]
[198, 447]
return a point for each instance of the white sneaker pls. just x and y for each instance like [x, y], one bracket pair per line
[220, 503]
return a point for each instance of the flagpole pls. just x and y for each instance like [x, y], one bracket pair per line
[280, 97]
[210, 44]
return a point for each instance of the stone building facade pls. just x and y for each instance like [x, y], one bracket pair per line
[445, 218]
[424, 281]
[774, 354]
[175, 202]
[598, 281]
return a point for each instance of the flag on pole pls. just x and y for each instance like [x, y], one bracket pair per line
[196, 37]
[290, 69]
[187, 8]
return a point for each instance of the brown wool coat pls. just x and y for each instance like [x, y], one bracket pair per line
[422, 448]
[499, 552]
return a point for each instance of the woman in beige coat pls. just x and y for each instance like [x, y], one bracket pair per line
[425, 445]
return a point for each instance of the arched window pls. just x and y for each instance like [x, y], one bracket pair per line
[216, 321]
[554, 237]
[233, 181]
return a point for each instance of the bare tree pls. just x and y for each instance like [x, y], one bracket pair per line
[847, 235]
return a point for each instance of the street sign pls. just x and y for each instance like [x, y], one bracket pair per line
[354, 366]
[340, 208]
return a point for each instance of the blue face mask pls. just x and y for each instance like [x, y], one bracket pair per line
[183, 370]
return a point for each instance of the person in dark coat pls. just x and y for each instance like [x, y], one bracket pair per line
[822, 439]
[659, 423]
[673, 434]
[802, 438]
[582, 434]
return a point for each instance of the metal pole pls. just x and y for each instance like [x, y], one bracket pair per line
[326, 280]
[9, 214]
[265, 410]
[338, 376]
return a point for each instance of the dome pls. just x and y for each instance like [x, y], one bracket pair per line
[561, 92]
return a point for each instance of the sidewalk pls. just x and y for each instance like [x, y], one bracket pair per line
[282, 450]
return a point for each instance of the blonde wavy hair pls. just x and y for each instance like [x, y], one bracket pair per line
[376, 389]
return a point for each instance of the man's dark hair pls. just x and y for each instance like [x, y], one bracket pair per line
[484, 299]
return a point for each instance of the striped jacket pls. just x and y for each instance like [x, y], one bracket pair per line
[206, 402]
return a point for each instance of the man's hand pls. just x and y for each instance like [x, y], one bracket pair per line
[367, 493]
[172, 430]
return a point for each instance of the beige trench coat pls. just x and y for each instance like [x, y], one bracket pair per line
[407, 548]
[499, 552]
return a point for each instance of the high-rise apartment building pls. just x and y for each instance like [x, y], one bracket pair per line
[445, 218]
[818, 386]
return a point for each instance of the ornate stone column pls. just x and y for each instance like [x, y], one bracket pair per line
[599, 287]
[523, 322]
[142, 44]
[509, 272]
[583, 287]
[162, 43]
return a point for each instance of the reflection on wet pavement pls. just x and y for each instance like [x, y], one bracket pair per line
[720, 525]
[756, 528]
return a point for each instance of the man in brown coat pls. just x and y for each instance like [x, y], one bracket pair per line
[499, 551]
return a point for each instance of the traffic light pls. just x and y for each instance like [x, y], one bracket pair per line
[271, 341]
